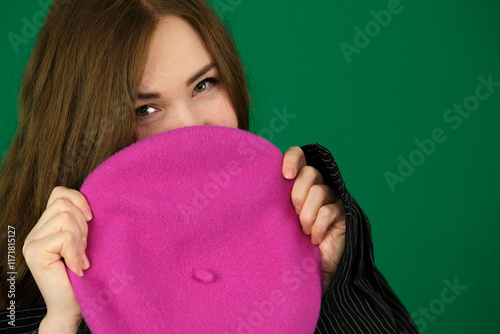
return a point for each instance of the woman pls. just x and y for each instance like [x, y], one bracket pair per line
[106, 73]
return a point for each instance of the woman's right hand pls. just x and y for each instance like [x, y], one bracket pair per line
[61, 233]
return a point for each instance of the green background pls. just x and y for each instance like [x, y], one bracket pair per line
[441, 223]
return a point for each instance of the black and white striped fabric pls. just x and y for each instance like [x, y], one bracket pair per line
[359, 299]
[28, 320]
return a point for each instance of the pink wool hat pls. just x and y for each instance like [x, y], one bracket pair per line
[194, 232]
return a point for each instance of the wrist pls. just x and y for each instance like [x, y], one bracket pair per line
[56, 324]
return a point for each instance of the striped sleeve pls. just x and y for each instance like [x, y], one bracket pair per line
[359, 299]
[27, 321]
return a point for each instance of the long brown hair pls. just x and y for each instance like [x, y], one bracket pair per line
[77, 104]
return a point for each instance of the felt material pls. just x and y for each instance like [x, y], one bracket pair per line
[194, 232]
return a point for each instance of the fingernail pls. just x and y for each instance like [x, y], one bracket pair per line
[298, 209]
[80, 272]
[289, 172]
[84, 242]
[85, 264]
[87, 213]
[306, 230]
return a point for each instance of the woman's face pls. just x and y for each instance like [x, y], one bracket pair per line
[180, 86]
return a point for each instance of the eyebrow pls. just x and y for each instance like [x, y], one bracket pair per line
[191, 80]
[198, 74]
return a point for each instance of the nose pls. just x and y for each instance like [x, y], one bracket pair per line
[186, 115]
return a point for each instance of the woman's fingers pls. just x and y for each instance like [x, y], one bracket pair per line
[44, 258]
[317, 196]
[62, 231]
[63, 214]
[306, 179]
[320, 209]
[327, 216]
[74, 196]
[66, 213]
[293, 161]
[65, 222]
[45, 253]
[331, 248]
[57, 242]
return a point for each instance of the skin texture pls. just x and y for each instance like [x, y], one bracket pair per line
[168, 101]
[177, 54]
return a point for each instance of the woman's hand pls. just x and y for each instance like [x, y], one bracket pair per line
[320, 210]
[61, 233]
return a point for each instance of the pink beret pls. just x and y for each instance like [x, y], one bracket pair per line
[194, 232]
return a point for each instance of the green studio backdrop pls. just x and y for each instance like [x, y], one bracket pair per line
[406, 96]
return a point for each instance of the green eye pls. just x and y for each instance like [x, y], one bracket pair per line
[204, 85]
[200, 87]
[144, 110]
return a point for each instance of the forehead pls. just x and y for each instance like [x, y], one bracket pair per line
[176, 52]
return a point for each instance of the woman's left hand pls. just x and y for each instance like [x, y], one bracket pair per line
[320, 209]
